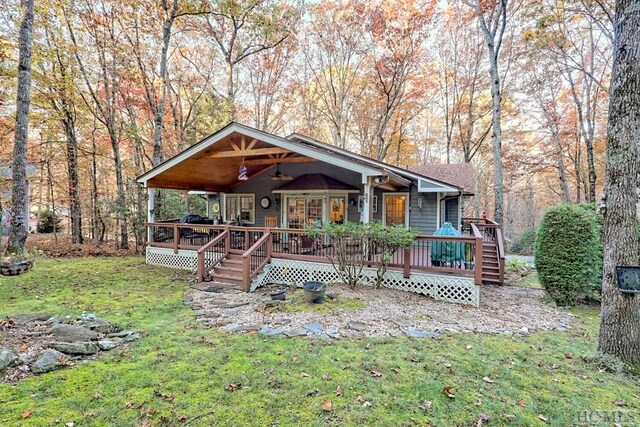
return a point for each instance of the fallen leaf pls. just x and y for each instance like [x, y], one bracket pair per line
[327, 406]
[326, 377]
[448, 392]
[366, 404]
[376, 374]
[182, 418]
[508, 416]
[426, 405]
[338, 391]
[24, 346]
[543, 418]
[233, 387]
[313, 392]
[97, 395]
[468, 347]
[522, 403]
[295, 358]
[165, 396]
[26, 414]
[304, 375]
[488, 380]
[396, 370]
[70, 424]
[620, 403]
[359, 399]
[482, 418]
[479, 402]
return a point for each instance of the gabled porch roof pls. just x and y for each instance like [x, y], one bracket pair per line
[213, 163]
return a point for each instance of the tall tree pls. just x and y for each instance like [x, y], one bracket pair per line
[620, 314]
[20, 196]
[244, 28]
[492, 18]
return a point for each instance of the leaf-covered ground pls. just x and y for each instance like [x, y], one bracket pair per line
[182, 373]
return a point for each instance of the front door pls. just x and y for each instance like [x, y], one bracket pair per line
[304, 210]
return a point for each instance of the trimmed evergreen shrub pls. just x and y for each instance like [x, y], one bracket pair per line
[524, 243]
[568, 253]
[48, 222]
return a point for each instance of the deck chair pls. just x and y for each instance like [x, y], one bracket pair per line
[271, 221]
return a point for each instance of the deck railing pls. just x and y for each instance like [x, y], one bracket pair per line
[255, 258]
[211, 254]
[438, 254]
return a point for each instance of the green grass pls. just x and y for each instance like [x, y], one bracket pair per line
[179, 369]
[531, 280]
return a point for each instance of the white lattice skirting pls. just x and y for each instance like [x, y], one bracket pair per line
[165, 257]
[456, 289]
[460, 290]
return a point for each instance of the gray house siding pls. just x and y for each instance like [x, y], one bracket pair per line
[423, 219]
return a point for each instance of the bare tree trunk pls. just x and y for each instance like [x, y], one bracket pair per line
[620, 313]
[19, 199]
[493, 31]
[75, 212]
[562, 173]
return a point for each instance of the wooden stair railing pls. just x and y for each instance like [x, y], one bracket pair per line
[491, 249]
[255, 258]
[211, 254]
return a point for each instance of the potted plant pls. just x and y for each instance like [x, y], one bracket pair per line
[314, 291]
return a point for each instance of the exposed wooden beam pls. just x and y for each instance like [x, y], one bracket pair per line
[168, 185]
[258, 162]
[249, 153]
[252, 144]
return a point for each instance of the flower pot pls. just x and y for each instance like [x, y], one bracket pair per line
[15, 268]
[279, 295]
[314, 292]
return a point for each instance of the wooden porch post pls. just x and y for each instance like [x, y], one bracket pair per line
[366, 214]
[151, 210]
[478, 261]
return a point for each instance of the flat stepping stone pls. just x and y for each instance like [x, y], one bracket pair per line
[269, 331]
[230, 328]
[107, 345]
[332, 333]
[357, 326]
[235, 305]
[316, 328]
[249, 328]
[75, 347]
[31, 317]
[403, 323]
[73, 333]
[280, 322]
[295, 333]
[198, 312]
[420, 334]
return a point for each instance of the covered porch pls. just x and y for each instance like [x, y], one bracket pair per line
[261, 191]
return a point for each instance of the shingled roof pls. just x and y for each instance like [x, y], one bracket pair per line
[458, 174]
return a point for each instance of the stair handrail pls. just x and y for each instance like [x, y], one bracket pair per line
[248, 273]
[479, 255]
[202, 251]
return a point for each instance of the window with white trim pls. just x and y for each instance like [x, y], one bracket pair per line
[240, 207]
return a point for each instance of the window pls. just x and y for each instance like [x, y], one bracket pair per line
[396, 209]
[240, 207]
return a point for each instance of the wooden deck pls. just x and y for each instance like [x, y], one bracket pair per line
[233, 254]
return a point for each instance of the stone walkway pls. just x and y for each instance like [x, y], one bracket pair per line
[388, 312]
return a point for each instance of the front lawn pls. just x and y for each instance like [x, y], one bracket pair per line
[181, 373]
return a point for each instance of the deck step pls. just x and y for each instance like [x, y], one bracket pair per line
[226, 278]
[232, 269]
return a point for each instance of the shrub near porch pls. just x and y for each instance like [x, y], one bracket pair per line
[180, 371]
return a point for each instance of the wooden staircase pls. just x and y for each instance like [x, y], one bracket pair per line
[491, 268]
[229, 270]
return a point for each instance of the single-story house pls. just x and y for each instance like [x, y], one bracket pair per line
[262, 185]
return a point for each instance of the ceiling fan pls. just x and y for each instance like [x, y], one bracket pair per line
[279, 176]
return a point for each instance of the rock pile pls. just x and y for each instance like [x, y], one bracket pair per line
[39, 342]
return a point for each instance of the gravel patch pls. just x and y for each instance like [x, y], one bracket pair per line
[388, 312]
